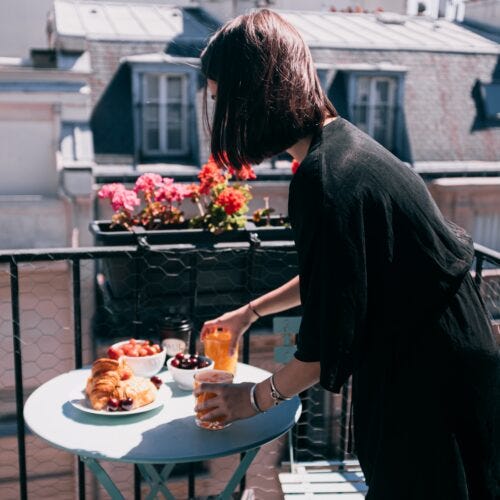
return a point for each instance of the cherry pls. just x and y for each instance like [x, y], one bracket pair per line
[113, 404]
[156, 381]
[175, 362]
[126, 404]
[179, 356]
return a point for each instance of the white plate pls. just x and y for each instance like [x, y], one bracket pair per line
[78, 399]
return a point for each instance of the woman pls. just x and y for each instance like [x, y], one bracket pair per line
[384, 280]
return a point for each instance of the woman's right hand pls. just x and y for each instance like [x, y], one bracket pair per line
[237, 321]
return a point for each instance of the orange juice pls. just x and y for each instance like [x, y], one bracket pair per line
[217, 342]
[214, 377]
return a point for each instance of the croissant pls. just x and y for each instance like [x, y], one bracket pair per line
[113, 378]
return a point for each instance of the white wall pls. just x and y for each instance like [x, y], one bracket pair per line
[483, 13]
[27, 152]
[22, 26]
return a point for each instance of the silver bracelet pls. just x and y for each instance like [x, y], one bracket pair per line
[275, 394]
[253, 401]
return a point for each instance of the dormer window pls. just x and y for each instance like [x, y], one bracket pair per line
[374, 107]
[165, 114]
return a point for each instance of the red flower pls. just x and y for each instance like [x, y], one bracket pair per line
[210, 176]
[294, 166]
[245, 173]
[231, 200]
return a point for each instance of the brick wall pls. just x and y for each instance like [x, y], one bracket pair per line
[440, 111]
[105, 58]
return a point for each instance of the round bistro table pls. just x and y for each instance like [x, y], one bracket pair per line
[166, 435]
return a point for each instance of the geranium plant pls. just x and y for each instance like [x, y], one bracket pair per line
[222, 206]
[160, 196]
[155, 201]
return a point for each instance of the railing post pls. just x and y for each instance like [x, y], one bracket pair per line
[18, 373]
[77, 322]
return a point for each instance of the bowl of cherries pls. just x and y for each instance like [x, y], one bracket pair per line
[184, 366]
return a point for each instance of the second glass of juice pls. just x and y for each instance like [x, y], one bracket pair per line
[214, 377]
[217, 342]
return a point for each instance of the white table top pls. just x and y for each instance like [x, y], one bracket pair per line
[163, 435]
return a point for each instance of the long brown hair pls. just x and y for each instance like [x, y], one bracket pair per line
[268, 92]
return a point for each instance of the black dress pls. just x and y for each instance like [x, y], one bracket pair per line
[387, 297]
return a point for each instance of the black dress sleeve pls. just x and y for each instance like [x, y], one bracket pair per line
[332, 264]
[377, 260]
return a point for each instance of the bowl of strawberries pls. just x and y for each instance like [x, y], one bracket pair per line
[144, 357]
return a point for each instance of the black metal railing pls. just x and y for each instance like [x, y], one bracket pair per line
[46, 293]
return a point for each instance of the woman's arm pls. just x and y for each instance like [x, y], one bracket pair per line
[237, 321]
[232, 401]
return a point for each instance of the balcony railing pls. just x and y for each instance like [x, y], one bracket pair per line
[59, 309]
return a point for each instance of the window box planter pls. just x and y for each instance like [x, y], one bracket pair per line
[192, 269]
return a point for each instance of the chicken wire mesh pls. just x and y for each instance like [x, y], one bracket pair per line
[126, 293]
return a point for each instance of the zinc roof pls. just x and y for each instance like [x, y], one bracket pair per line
[127, 21]
[386, 31]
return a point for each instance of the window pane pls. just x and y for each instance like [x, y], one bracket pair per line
[382, 91]
[152, 139]
[151, 87]
[363, 89]
[381, 128]
[361, 117]
[174, 88]
[151, 113]
[491, 96]
[174, 113]
[174, 138]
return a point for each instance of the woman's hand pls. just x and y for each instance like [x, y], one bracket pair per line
[231, 401]
[236, 321]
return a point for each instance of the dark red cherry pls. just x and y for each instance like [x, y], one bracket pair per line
[126, 404]
[175, 363]
[179, 356]
[156, 381]
[113, 404]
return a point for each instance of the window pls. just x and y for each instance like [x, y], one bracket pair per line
[164, 114]
[373, 107]
[491, 100]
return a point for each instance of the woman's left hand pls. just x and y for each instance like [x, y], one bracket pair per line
[231, 401]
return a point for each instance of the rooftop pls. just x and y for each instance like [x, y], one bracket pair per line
[86, 19]
[127, 21]
[386, 31]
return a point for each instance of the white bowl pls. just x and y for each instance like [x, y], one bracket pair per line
[144, 366]
[183, 377]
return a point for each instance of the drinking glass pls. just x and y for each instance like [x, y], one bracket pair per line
[217, 342]
[213, 377]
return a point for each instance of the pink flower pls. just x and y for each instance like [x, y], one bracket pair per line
[147, 183]
[108, 190]
[124, 199]
[171, 192]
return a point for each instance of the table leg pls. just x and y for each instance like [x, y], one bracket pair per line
[238, 474]
[156, 480]
[103, 478]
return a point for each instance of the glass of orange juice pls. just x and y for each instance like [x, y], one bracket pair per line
[217, 342]
[213, 377]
